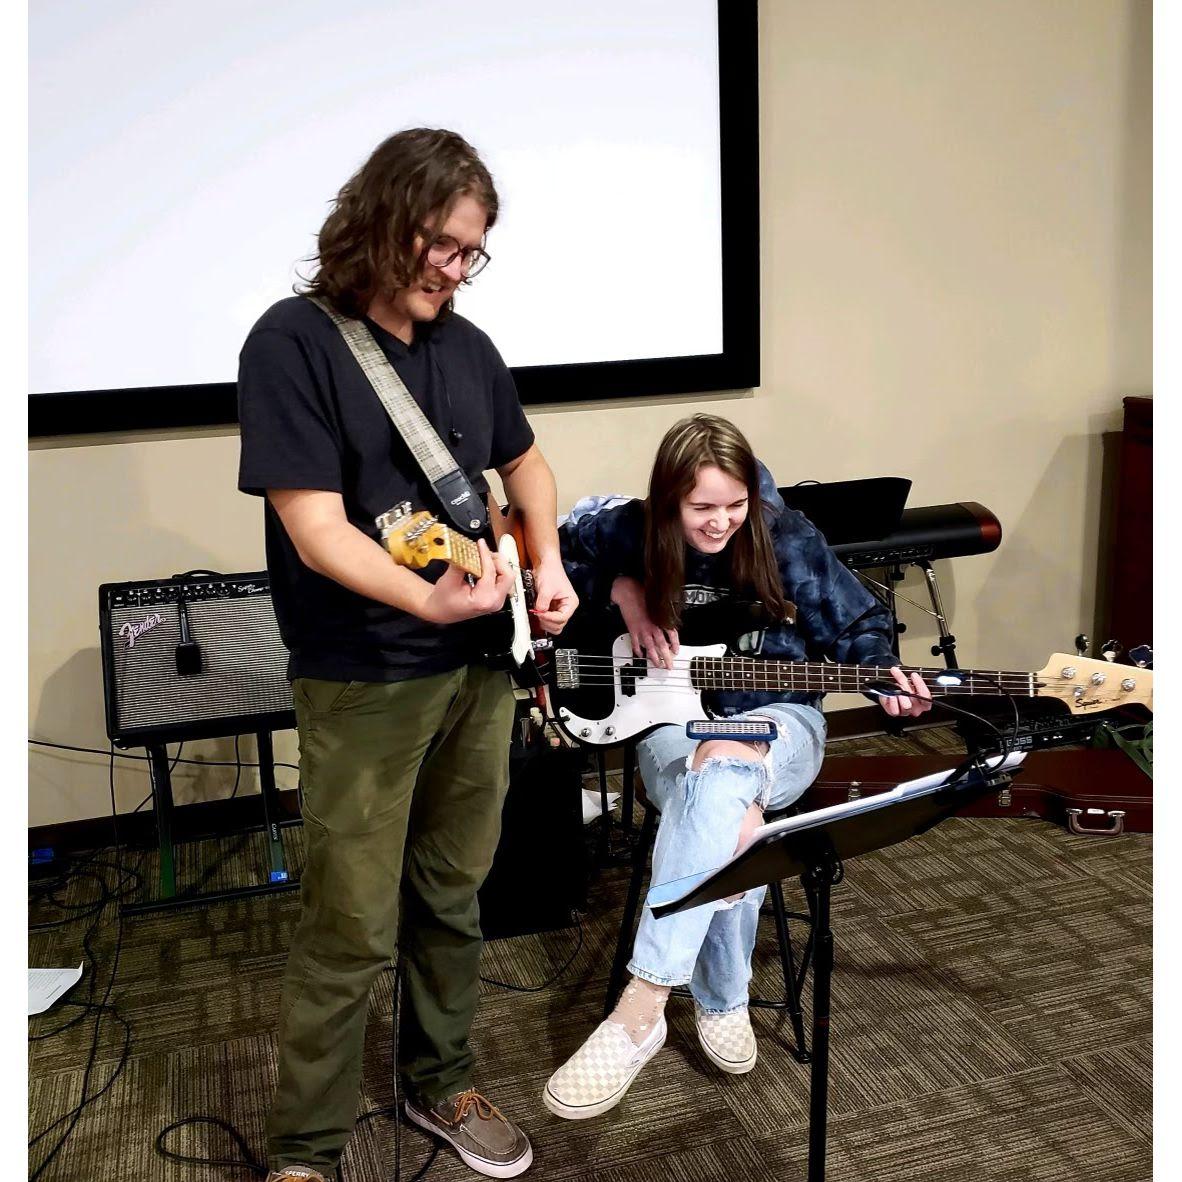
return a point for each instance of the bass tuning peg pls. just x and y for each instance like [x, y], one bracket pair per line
[1111, 650]
[1081, 645]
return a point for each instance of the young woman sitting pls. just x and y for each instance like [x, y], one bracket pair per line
[713, 528]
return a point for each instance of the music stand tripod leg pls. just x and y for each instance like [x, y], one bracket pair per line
[162, 804]
[820, 879]
[270, 797]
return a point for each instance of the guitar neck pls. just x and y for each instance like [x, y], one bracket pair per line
[461, 551]
[744, 673]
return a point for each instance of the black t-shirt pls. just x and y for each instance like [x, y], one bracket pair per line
[310, 419]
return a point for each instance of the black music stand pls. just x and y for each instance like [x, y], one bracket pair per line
[813, 847]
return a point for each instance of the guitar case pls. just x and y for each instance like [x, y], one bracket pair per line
[1099, 793]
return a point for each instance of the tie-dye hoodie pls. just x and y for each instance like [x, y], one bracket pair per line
[836, 617]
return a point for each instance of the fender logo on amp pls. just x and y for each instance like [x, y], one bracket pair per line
[134, 631]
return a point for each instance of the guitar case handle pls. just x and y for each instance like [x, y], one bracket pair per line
[1116, 824]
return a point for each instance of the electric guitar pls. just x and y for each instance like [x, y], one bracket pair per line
[414, 539]
[629, 697]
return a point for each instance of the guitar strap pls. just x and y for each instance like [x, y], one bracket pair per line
[463, 505]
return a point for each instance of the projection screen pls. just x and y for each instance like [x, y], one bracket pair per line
[182, 158]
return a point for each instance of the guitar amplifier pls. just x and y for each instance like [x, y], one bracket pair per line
[195, 656]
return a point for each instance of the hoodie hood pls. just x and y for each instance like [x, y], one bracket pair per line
[769, 494]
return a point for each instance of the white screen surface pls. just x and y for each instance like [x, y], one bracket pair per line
[182, 159]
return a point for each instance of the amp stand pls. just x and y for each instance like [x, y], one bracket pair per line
[278, 878]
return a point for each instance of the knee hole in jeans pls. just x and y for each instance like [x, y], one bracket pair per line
[726, 749]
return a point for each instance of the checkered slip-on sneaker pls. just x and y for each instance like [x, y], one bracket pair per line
[486, 1141]
[728, 1040]
[296, 1174]
[598, 1074]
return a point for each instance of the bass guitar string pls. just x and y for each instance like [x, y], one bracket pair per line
[769, 681]
[713, 667]
[946, 678]
[937, 693]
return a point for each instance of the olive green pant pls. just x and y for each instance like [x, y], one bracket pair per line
[403, 786]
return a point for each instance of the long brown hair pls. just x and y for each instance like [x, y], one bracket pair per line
[704, 441]
[366, 247]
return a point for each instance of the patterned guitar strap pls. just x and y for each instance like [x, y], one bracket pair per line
[463, 505]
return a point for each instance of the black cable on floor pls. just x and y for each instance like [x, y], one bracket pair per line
[71, 1118]
[144, 759]
[247, 1162]
[549, 981]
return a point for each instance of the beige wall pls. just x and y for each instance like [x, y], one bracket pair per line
[956, 288]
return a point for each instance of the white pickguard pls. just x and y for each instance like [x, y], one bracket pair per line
[520, 647]
[662, 696]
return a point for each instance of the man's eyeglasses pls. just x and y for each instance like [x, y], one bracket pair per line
[444, 250]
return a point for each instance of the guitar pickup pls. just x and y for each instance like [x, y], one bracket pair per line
[630, 674]
[566, 668]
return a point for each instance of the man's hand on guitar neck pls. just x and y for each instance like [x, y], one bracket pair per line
[454, 597]
[328, 543]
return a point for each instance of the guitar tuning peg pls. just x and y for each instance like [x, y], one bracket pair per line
[1111, 650]
[1142, 656]
[1081, 645]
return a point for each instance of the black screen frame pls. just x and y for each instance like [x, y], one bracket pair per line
[146, 408]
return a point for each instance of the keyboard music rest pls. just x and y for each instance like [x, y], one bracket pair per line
[926, 533]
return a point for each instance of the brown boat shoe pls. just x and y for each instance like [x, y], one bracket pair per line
[487, 1141]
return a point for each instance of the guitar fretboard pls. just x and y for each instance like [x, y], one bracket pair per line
[463, 552]
[744, 673]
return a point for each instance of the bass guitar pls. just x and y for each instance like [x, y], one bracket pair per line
[629, 697]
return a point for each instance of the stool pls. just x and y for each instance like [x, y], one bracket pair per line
[793, 977]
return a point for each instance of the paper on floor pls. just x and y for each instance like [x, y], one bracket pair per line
[47, 985]
[592, 805]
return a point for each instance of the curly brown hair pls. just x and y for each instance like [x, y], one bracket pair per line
[700, 441]
[366, 248]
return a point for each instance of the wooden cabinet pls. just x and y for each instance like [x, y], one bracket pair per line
[1130, 616]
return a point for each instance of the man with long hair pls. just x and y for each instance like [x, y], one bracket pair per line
[404, 733]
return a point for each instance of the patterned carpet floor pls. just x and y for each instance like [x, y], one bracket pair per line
[991, 1023]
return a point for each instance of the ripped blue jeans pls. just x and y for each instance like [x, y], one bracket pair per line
[709, 947]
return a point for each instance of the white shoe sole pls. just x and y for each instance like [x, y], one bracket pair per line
[585, 1111]
[482, 1165]
[730, 1066]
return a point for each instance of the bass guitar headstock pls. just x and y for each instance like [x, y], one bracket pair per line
[1088, 686]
